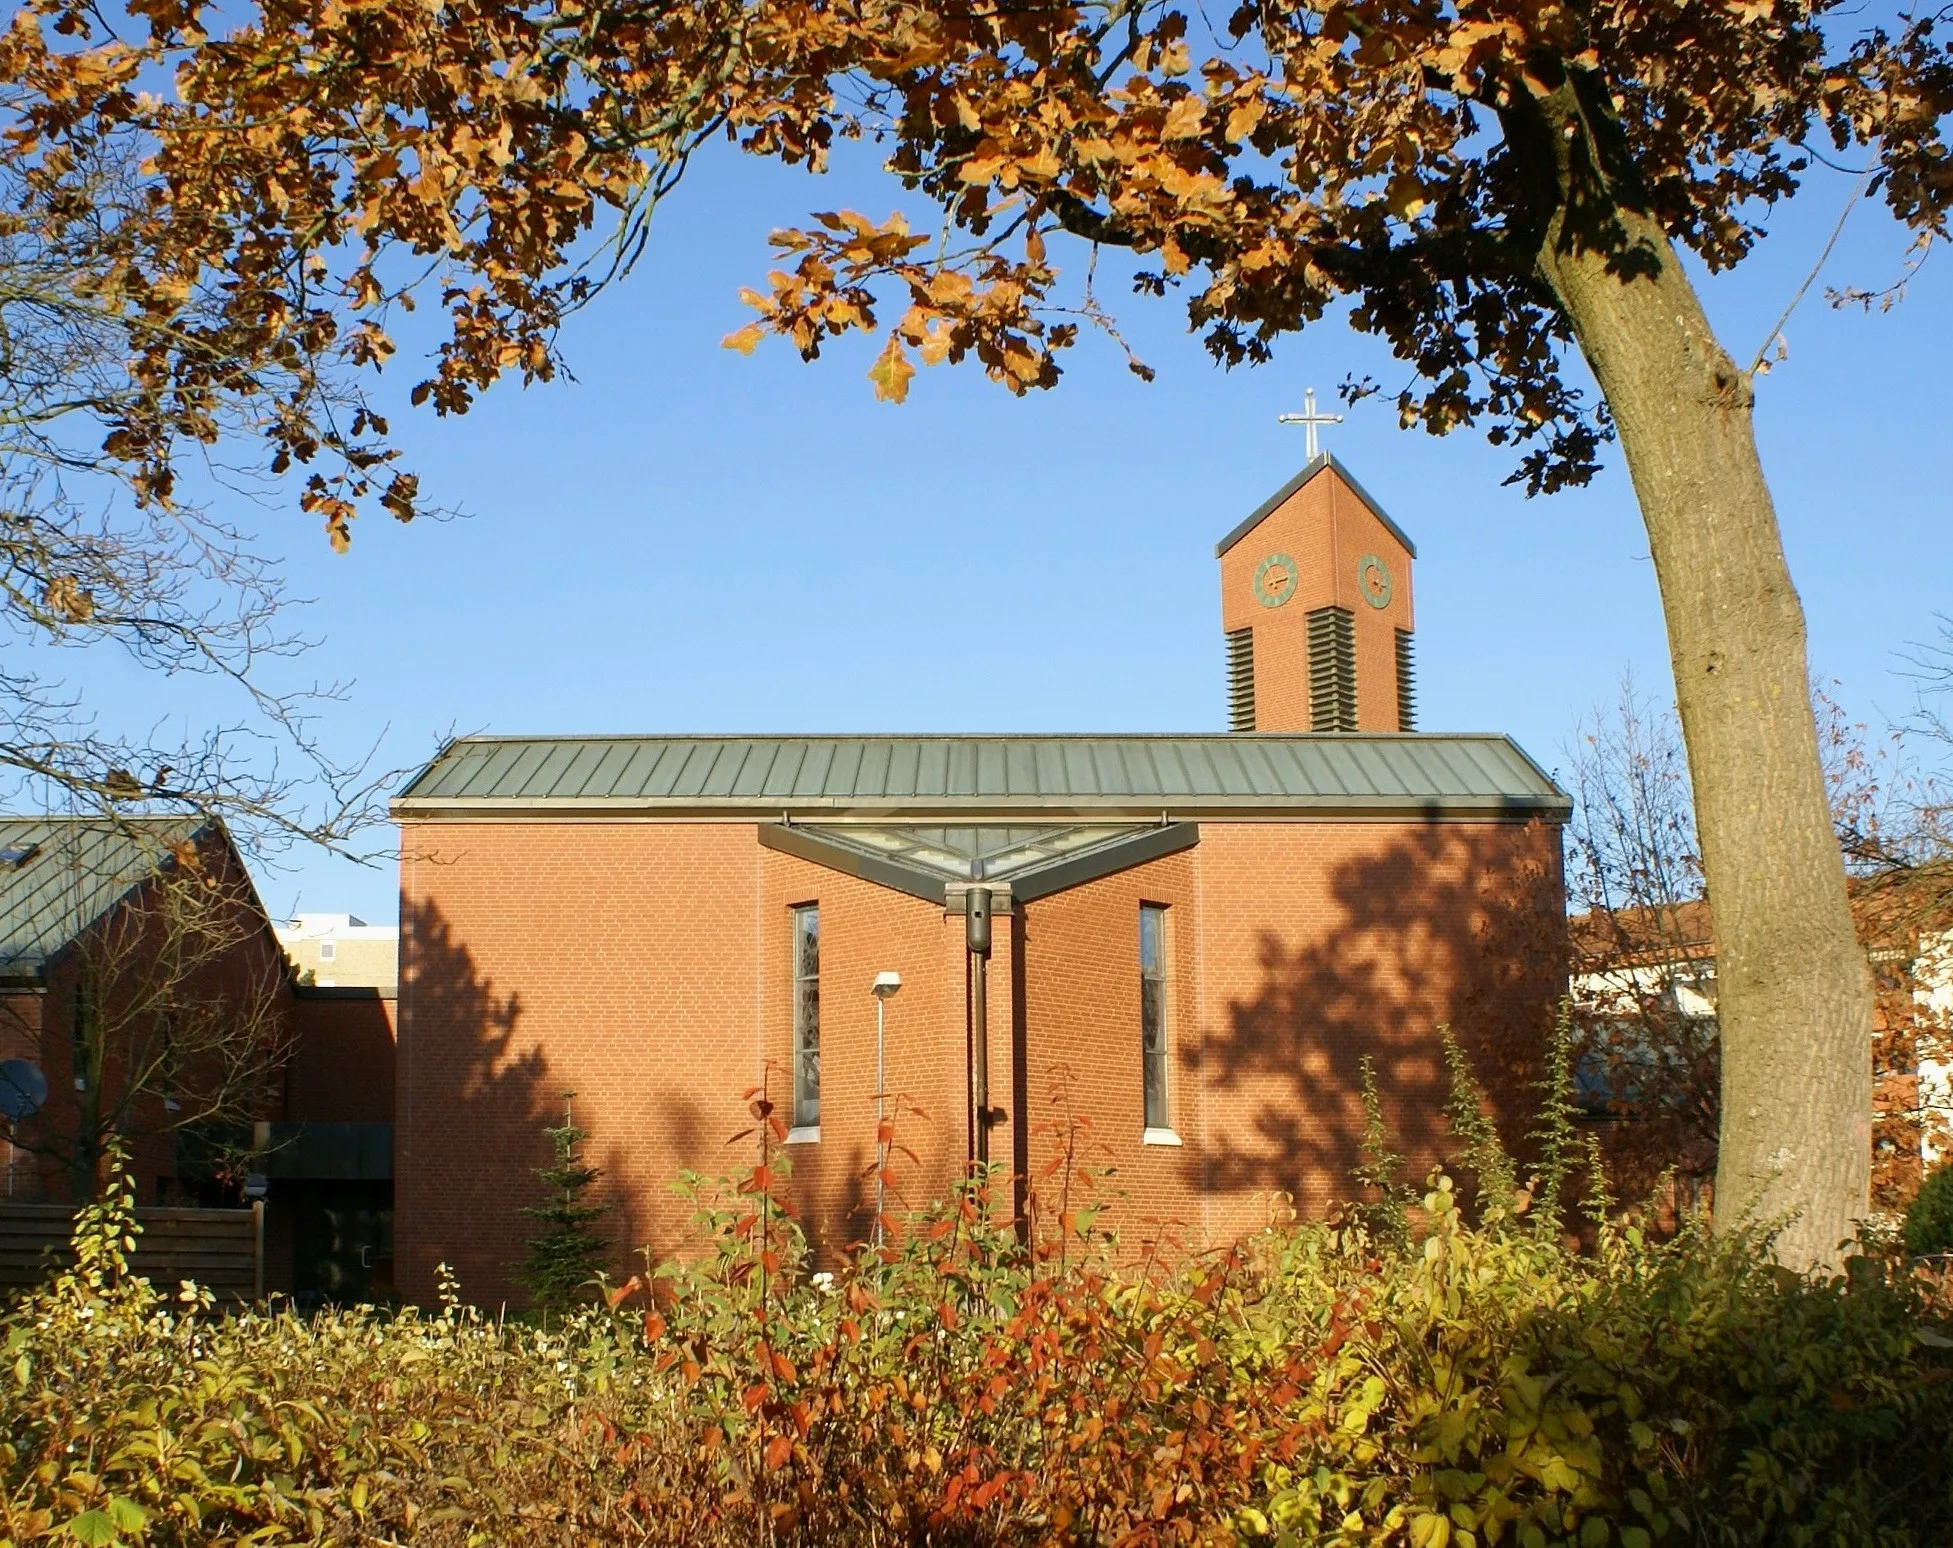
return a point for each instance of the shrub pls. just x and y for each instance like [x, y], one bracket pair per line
[1454, 1381]
[1929, 1222]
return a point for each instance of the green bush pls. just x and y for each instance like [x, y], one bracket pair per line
[1461, 1381]
[1929, 1223]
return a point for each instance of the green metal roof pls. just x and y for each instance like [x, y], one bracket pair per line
[73, 871]
[1022, 778]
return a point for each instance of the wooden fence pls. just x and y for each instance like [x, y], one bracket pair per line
[222, 1249]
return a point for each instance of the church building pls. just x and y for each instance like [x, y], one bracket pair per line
[1191, 941]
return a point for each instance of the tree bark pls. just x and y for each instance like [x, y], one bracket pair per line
[1794, 996]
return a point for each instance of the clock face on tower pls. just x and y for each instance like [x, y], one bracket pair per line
[1373, 580]
[1275, 580]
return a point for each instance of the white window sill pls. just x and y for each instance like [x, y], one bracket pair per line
[1159, 1137]
[806, 1136]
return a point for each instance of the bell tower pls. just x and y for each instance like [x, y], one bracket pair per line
[1316, 607]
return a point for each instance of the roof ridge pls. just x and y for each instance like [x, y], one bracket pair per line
[54, 819]
[488, 738]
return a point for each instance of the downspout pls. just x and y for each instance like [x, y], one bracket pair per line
[1020, 1095]
[976, 938]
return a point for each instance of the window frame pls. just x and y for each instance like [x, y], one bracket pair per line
[805, 990]
[1156, 1049]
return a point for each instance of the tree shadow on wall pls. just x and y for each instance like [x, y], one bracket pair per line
[848, 1219]
[1450, 924]
[472, 1109]
[650, 1219]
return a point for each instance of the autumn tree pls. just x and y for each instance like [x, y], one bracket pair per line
[1490, 186]
[113, 369]
[1644, 968]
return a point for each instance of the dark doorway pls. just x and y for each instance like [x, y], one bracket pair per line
[342, 1242]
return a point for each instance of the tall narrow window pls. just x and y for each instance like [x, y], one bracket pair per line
[806, 1016]
[1406, 683]
[1152, 1014]
[1241, 679]
[1332, 670]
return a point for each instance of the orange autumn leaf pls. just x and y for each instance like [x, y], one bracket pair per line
[891, 372]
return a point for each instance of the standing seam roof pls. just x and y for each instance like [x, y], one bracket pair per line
[1321, 772]
[78, 870]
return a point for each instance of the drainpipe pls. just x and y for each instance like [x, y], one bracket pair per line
[976, 936]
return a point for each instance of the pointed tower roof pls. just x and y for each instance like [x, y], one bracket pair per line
[1322, 462]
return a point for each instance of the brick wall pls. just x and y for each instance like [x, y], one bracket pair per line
[646, 967]
[1325, 942]
[370, 959]
[615, 961]
[1081, 1044]
[342, 1060]
[865, 930]
[1294, 949]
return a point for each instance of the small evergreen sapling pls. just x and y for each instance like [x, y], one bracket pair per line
[567, 1254]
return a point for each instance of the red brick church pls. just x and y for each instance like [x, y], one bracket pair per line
[1191, 939]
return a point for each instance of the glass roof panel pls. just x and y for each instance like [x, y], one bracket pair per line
[971, 853]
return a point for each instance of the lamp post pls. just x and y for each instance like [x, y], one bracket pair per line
[884, 990]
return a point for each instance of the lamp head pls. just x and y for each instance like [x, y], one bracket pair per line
[886, 984]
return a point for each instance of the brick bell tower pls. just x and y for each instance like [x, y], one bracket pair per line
[1316, 606]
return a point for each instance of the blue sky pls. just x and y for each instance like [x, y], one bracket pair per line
[685, 539]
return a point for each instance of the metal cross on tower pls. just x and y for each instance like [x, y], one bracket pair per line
[1308, 419]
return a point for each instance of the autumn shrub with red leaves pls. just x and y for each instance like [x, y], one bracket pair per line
[1443, 1367]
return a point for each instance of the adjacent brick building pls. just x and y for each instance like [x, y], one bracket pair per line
[1189, 940]
[140, 989]
[143, 994]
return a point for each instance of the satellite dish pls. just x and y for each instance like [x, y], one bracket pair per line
[23, 1089]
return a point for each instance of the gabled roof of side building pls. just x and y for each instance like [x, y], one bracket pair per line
[966, 779]
[58, 875]
[1322, 461]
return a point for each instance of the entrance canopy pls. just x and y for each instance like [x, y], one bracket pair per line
[940, 862]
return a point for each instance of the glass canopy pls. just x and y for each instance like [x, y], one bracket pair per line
[971, 853]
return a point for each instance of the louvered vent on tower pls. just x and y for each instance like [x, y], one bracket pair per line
[1406, 684]
[1241, 680]
[1332, 670]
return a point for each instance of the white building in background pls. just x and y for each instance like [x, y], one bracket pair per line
[1933, 973]
[342, 951]
[1679, 968]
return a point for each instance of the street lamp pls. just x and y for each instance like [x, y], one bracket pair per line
[884, 989]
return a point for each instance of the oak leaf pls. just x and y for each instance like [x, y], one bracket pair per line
[891, 372]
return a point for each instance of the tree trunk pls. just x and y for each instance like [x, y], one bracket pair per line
[1794, 997]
